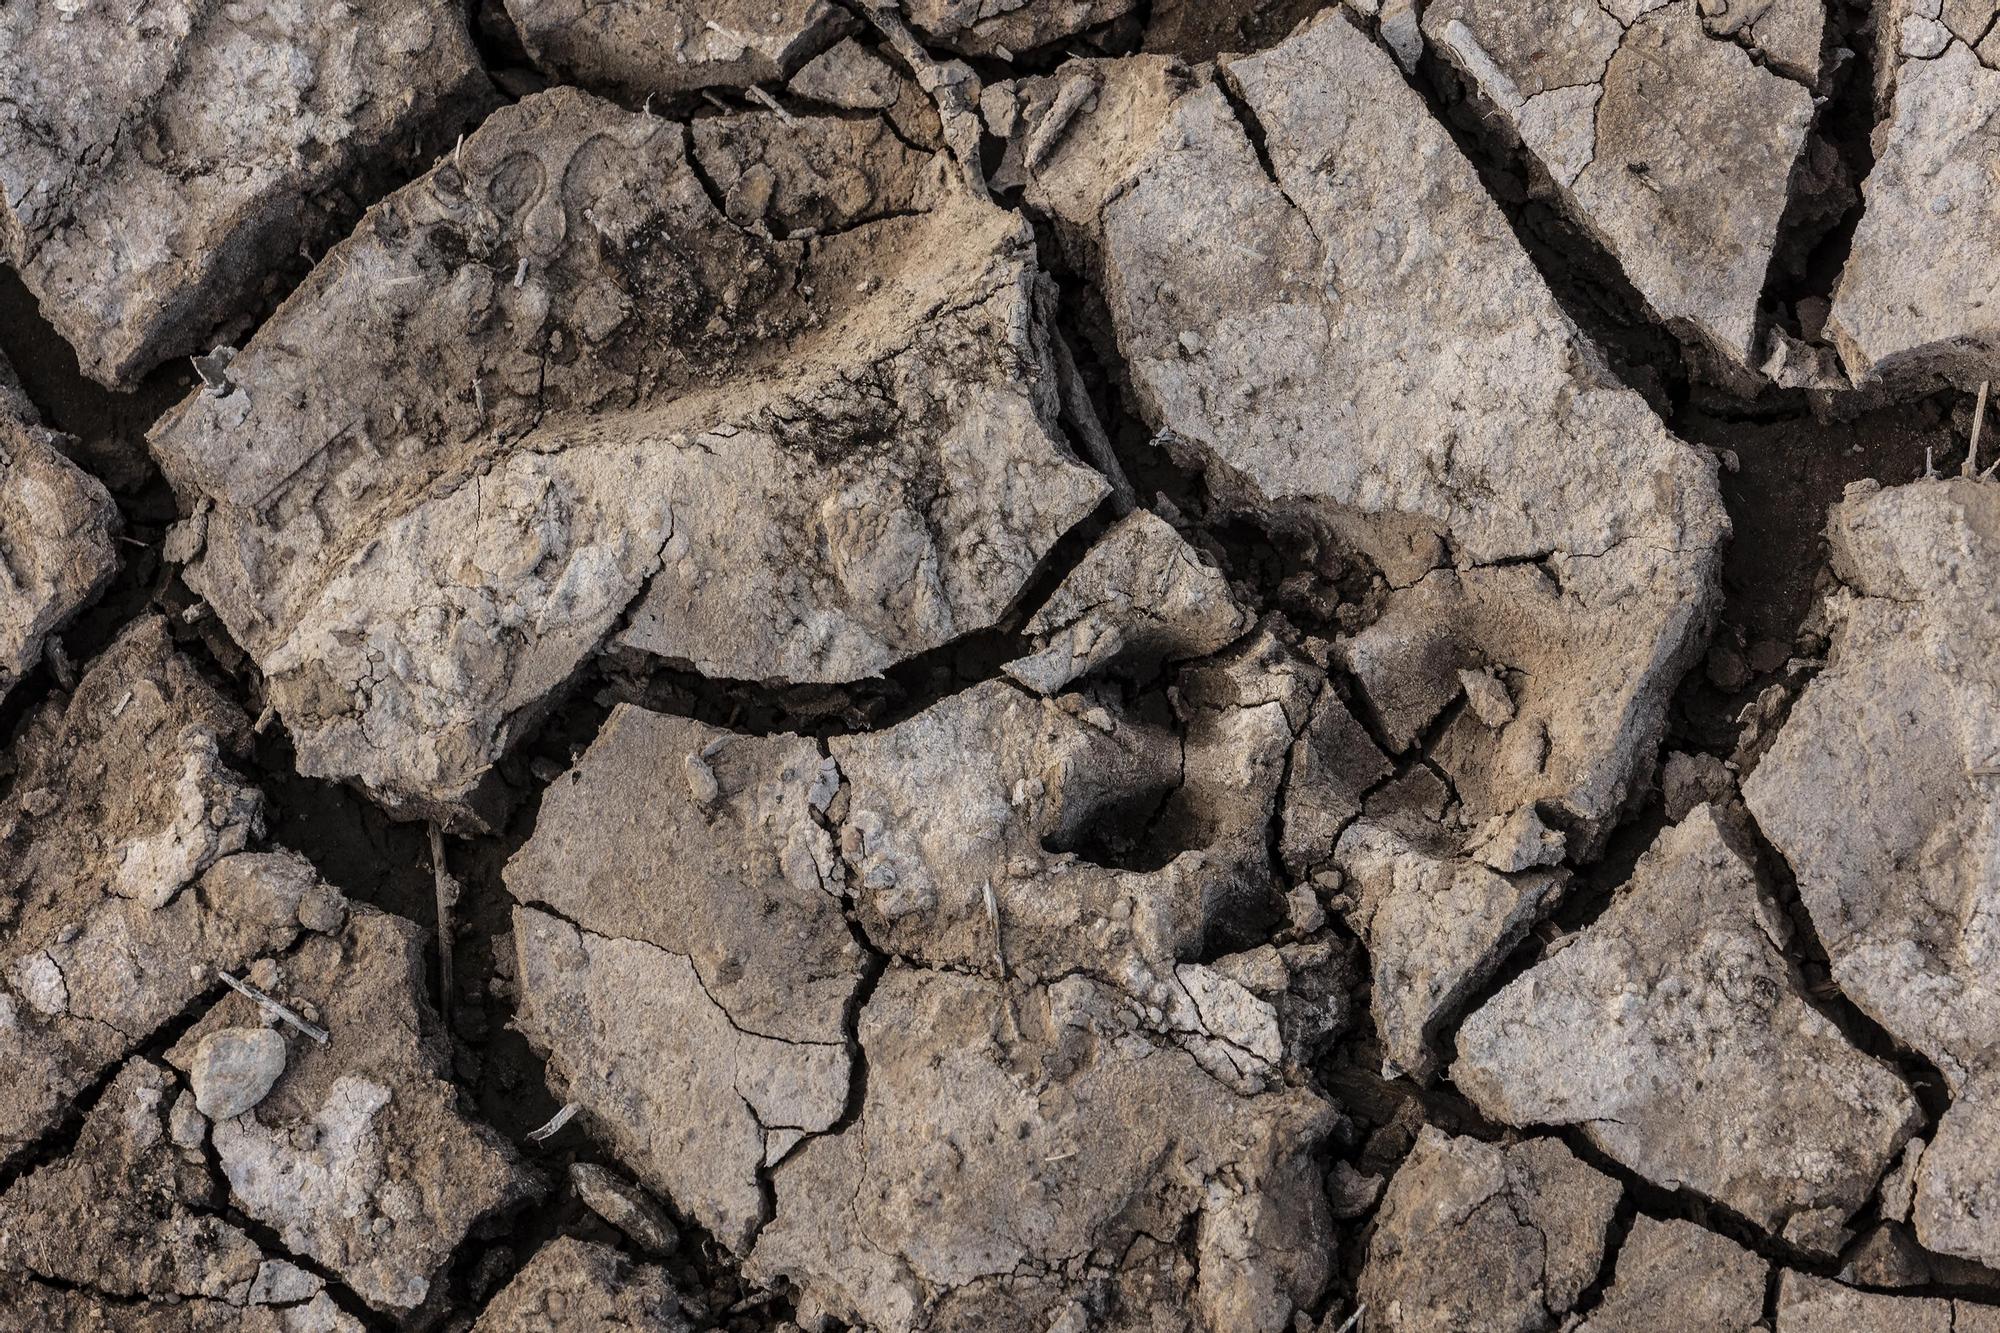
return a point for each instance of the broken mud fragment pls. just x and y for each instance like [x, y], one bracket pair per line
[670, 48]
[1663, 138]
[158, 160]
[1914, 306]
[1019, 1152]
[57, 529]
[556, 345]
[124, 883]
[980, 28]
[1676, 1035]
[1808, 1304]
[573, 1284]
[359, 1158]
[1475, 1236]
[1141, 595]
[1675, 1275]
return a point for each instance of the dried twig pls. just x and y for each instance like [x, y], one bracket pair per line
[1353, 1320]
[556, 1122]
[1978, 420]
[271, 1006]
[769, 103]
[993, 919]
[447, 898]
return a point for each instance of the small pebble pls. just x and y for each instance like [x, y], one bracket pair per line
[234, 1069]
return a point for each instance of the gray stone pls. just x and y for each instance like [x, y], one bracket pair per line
[233, 1070]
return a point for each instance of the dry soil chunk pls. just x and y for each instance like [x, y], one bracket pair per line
[1674, 1033]
[693, 989]
[1472, 1236]
[1956, 1207]
[1100, 836]
[1362, 339]
[1142, 595]
[57, 528]
[233, 1069]
[1904, 724]
[358, 1158]
[1016, 1149]
[985, 28]
[1809, 1304]
[128, 1212]
[158, 158]
[1436, 926]
[1917, 298]
[798, 175]
[551, 376]
[671, 47]
[708, 845]
[1663, 140]
[572, 1284]
[122, 881]
[693, 1104]
[1674, 1276]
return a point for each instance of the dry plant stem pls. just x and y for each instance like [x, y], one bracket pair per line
[1978, 420]
[555, 1123]
[269, 1005]
[447, 898]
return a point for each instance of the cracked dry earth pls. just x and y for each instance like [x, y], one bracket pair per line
[1249, 666]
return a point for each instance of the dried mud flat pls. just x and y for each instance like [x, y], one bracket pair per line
[1043, 665]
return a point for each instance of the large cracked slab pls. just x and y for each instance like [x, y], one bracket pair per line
[691, 975]
[1471, 1235]
[1663, 138]
[124, 883]
[1916, 302]
[159, 159]
[804, 461]
[1354, 339]
[1025, 1154]
[358, 1157]
[1675, 1034]
[57, 528]
[1905, 721]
